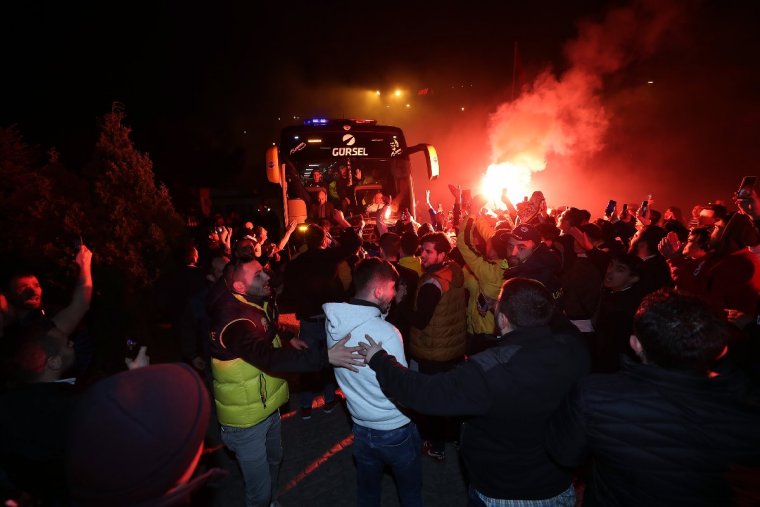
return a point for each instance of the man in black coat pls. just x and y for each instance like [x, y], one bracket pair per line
[509, 391]
[666, 431]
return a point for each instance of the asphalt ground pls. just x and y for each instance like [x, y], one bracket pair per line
[318, 468]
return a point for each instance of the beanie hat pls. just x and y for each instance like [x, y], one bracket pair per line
[500, 243]
[526, 232]
[134, 434]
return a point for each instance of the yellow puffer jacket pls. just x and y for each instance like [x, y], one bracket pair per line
[489, 276]
[443, 339]
[243, 394]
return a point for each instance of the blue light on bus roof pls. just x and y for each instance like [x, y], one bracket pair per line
[316, 121]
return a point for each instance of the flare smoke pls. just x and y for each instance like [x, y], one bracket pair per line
[564, 118]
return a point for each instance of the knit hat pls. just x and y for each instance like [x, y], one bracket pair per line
[500, 243]
[526, 232]
[134, 434]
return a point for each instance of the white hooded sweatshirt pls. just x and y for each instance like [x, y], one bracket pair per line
[367, 404]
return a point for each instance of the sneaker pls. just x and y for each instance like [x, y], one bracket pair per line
[305, 413]
[435, 455]
[329, 406]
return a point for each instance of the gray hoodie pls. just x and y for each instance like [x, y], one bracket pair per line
[368, 406]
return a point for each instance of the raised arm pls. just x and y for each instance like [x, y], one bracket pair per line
[68, 319]
[284, 241]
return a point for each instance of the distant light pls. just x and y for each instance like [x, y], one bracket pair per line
[296, 137]
[316, 121]
[245, 132]
[461, 109]
[313, 140]
[408, 105]
[387, 107]
[398, 93]
[650, 82]
[377, 92]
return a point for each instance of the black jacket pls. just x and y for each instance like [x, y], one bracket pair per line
[662, 437]
[248, 334]
[544, 265]
[311, 279]
[509, 391]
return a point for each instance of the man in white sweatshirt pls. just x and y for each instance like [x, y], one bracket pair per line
[382, 434]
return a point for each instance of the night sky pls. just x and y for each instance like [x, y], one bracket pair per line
[207, 86]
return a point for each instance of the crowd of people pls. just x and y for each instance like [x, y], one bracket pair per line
[612, 360]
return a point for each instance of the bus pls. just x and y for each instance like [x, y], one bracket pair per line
[379, 152]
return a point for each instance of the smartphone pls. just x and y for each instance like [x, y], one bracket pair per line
[745, 189]
[133, 348]
[644, 207]
[610, 207]
[482, 304]
[625, 209]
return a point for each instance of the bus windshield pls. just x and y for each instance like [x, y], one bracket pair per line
[352, 164]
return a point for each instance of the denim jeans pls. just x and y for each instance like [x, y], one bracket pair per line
[314, 334]
[437, 429]
[564, 499]
[259, 453]
[399, 449]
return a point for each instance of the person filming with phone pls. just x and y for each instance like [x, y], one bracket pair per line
[23, 293]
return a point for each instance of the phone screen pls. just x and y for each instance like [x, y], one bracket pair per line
[644, 207]
[745, 189]
[610, 207]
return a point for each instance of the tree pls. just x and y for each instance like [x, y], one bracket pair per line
[40, 206]
[133, 219]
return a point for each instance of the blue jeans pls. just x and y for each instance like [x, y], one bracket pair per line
[259, 453]
[314, 334]
[400, 449]
[564, 499]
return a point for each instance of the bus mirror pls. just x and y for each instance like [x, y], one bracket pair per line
[273, 165]
[431, 158]
[297, 210]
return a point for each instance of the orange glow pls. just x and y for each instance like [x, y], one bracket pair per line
[514, 176]
[314, 465]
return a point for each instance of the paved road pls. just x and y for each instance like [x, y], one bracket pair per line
[318, 469]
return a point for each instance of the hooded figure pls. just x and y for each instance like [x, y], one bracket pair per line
[383, 436]
[368, 406]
